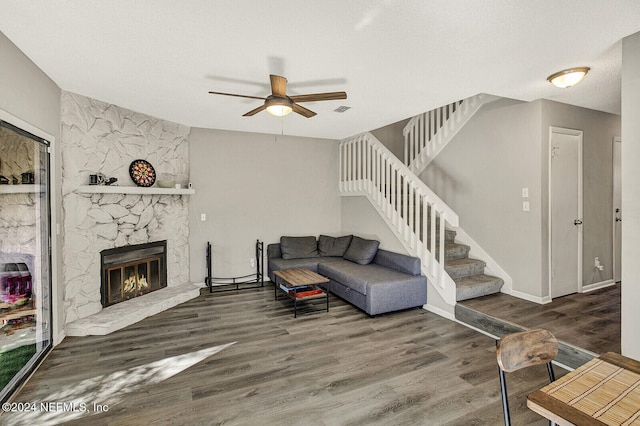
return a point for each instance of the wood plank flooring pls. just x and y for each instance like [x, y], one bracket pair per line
[587, 320]
[337, 368]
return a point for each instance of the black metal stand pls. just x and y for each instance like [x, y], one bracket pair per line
[247, 281]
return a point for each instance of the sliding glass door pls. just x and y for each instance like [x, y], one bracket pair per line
[25, 262]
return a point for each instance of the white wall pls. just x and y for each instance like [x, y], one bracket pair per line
[32, 97]
[630, 195]
[481, 173]
[256, 186]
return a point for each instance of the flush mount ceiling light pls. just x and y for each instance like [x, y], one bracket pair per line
[569, 77]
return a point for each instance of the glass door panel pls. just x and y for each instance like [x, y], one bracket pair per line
[25, 281]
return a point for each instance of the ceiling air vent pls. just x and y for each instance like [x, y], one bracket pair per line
[342, 109]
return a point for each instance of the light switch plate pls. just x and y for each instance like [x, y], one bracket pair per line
[525, 192]
[525, 206]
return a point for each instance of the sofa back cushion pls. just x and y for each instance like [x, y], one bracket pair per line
[361, 251]
[333, 246]
[298, 247]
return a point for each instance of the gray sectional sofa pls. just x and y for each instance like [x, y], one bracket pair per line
[375, 280]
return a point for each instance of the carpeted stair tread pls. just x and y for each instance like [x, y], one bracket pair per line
[473, 286]
[454, 251]
[459, 268]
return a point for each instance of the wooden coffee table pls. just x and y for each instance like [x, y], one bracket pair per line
[300, 285]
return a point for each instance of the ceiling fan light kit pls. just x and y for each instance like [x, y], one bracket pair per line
[569, 77]
[279, 104]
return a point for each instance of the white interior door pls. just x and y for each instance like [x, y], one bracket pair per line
[565, 211]
[617, 209]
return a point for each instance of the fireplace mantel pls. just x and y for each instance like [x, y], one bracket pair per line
[106, 189]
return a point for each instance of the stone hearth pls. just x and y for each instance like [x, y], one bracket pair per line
[126, 313]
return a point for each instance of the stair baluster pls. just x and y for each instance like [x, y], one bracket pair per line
[426, 134]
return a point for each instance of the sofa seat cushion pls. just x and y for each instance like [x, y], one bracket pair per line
[357, 276]
[279, 263]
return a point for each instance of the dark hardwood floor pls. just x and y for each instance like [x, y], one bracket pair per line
[240, 358]
[587, 320]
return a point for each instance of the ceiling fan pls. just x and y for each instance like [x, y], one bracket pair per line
[278, 103]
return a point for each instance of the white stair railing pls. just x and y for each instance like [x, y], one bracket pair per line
[415, 214]
[425, 135]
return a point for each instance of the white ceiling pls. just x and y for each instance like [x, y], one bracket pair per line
[394, 58]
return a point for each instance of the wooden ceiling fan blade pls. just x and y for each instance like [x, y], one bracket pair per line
[237, 96]
[278, 86]
[303, 111]
[329, 96]
[255, 111]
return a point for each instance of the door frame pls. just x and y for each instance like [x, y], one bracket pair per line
[616, 139]
[579, 134]
[57, 328]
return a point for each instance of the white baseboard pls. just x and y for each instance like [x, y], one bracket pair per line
[596, 286]
[439, 311]
[547, 299]
[59, 338]
[542, 300]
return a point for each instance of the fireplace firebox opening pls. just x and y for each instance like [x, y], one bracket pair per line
[132, 271]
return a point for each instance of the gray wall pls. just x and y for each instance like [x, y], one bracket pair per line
[360, 218]
[599, 129]
[26, 92]
[31, 96]
[392, 137]
[256, 186]
[630, 195]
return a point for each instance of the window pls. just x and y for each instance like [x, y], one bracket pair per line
[25, 260]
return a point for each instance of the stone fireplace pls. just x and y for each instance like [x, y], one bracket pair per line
[132, 271]
[102, 138]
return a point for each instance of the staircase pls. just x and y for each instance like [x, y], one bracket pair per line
[467, 274]
[423, 223]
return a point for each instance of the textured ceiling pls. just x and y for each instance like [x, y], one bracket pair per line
[394, 59]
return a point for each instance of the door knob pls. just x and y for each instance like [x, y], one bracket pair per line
[577, 222]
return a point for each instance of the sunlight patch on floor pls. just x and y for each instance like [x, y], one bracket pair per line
[108, 390]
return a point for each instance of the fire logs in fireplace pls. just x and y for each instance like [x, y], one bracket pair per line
[132, 271]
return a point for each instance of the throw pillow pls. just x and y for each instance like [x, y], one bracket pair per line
[362, 251]
[298, 247]
[333, 246]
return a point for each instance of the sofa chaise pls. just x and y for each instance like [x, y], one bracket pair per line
[375, 280]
